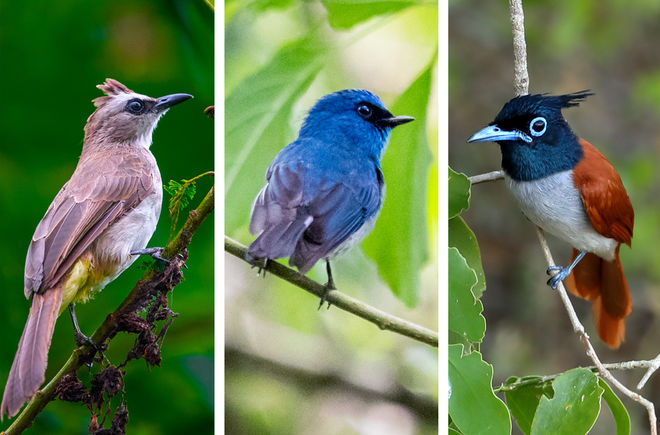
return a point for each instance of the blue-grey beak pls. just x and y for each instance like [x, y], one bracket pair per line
[493, 133]
[170, 100]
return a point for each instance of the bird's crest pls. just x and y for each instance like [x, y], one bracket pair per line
[111, 87]
[541, 102]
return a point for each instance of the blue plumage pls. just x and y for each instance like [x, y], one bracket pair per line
[324, 190]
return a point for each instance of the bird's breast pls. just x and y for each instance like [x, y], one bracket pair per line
[132, 231]
[554, 204]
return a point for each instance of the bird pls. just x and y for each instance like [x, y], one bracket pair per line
[94, 229]
[564, 185]
[324, 190]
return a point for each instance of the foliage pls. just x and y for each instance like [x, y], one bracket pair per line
[565, 403]
[181, 193]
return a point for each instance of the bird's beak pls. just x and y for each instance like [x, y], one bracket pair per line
[168, 101]
[493, 133]
[395, 120]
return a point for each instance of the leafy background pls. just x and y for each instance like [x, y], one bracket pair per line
[52, 59]
[606, 46]
[289, 367]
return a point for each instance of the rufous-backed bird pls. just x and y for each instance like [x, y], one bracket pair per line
[567, 187]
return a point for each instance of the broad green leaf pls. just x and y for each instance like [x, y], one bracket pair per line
[464, 309]
[459, 193]
[453, 431]
[256, 119]
[344, 14]
[462, 238]
[619, 412]
[522, 402]
[574, 407]
[398, 243]
[473, 407]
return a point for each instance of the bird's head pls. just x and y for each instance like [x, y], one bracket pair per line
[352, 117]
[126, 117]
[535, 139]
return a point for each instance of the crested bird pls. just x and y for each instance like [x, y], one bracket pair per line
[567, 187]
[324, 190]
[94, 228]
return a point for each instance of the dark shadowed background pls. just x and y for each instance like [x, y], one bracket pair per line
[609, 47]
[52, 55]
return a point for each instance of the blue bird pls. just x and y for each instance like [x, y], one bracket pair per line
[324, 190]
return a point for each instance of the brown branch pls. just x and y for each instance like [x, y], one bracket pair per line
[139, 297]
[378, 317]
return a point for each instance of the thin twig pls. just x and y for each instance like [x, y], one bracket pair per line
[520, 75]
[488, 176]
[378, 317]
[109, 327]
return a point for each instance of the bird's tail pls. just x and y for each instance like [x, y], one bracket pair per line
[29, 368]
[602, 282]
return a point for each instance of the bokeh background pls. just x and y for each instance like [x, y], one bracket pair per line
[609, 47]
[53, 54]
[290, 368]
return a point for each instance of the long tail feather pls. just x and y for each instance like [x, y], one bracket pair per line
[29, 368]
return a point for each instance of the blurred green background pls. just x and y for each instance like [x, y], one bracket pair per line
[53, 55]
[609, 47]
[291, 369]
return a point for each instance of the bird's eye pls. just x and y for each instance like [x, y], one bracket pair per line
[135, 106]
[537, 126]
[364, 111]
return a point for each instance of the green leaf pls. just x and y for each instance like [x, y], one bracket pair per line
[574, 407]
[473, 406]
[459, 193]
[464, 309]
[462, 238]
[344, 14]
[398, 243]
[523, 401]
[257, 117]
[619, 412]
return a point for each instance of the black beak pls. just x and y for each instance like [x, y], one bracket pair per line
[168, 101]
[395, 120]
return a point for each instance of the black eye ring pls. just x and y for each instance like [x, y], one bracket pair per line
[538, 126]
[364, 111]
[135, 106]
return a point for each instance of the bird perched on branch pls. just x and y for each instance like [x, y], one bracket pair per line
[325, 189]
[566, 186]
[94, 228]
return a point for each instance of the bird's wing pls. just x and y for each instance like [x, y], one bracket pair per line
[97, 194]
[605, 199]
[306, 217]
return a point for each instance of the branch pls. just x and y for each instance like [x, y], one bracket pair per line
[309, 378]
[489, 176]
[520, 75]
[378, 317]
[134, 302]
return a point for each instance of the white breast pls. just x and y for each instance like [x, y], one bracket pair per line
[131, 232]
[554, 204]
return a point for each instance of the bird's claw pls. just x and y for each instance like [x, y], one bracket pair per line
[328, 287]
[157, 254]
[563, 273]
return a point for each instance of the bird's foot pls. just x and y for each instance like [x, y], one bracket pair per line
[83, 340]
[260, 264]
[328, 287]
[157, 254]
[561, 275]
